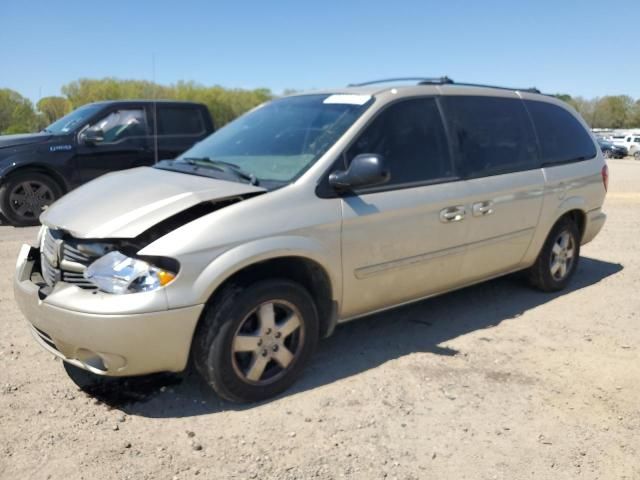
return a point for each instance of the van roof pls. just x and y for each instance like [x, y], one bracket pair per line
[428, 85]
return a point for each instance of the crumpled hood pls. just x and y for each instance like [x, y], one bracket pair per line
[125, 204]
[23, 139]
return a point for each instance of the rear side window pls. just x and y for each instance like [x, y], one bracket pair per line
[411, 138]
[494, 135]
[562, 137]
[179, 121]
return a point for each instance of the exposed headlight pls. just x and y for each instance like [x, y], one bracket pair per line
[118, 273]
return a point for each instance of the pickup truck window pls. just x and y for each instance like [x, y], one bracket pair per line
[180, 121]
[122, 124]
[71, 121]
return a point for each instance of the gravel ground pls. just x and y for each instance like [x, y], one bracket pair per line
[496, 381]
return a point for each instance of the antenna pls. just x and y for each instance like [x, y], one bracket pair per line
[155, 109]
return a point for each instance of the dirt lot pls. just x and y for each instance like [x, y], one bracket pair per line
[492, 382]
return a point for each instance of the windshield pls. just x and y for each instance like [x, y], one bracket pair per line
[279, 140]
[72, 120]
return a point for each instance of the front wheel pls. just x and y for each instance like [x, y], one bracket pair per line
[254, 342]
[558, 258]
[24, 195]
[637, 155]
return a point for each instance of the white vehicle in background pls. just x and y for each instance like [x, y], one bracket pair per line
[630, 141]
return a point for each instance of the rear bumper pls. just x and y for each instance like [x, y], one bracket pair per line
[594, 223]
[103, 343]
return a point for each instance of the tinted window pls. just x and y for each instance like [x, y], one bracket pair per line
[411, 138]
[494, 134]
[179, 121]
[562, 138]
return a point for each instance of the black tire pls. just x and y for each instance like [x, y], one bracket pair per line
[237, 310]
[608, 154]
[545, 273]
[38, 191]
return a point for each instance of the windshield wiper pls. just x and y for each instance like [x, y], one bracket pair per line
[225, 167]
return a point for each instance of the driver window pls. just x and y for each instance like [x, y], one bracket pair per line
[411, 138]
[122, 124]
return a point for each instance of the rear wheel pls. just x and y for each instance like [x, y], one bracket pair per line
[558, 258]
[637, 155]
[25, 195]
[608, 154]
[254, 342]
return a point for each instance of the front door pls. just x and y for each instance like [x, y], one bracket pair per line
[405, 239]
[124, 143]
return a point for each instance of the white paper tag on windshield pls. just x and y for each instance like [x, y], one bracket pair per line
[347, 99]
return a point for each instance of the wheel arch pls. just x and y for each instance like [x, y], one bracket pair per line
[302, 270]
[579, 217]
[39, 168]
[302, 262]
[574, 208]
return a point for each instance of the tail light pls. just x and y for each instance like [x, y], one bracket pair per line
[605, 177]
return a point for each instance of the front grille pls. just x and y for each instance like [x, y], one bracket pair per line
[73, 254]
[61, 261]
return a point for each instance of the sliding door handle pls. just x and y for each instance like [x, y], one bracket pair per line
[452, 214]
[482, 209]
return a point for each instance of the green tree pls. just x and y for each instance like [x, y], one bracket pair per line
[613, 112]
[634, 117]
[224, 104]
[16, 113]
[53, 108]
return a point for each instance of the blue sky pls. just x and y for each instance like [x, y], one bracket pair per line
[578, 47]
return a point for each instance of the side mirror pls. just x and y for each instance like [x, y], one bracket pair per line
[92, 136]
[366, 170]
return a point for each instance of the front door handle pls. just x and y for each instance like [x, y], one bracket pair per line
[452, 214]
[482, 209]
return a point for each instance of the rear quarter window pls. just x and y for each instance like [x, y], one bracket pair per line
[180, 121]
[561, 136]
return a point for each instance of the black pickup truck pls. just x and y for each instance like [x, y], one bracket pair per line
[36, 169]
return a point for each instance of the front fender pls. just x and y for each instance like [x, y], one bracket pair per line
[198, 290]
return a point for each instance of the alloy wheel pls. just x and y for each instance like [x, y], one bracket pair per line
[562, 255]
[267, 342]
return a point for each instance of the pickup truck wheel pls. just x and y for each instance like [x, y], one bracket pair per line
[24, 196]
[637, 155]
[254, 342]
[558, 258]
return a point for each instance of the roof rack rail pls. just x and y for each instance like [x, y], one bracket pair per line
[440, 81]
[420, 80]
[529, 89]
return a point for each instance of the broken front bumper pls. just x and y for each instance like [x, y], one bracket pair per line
[104, 333]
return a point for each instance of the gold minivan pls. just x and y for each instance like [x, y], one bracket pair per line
[309, 211]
